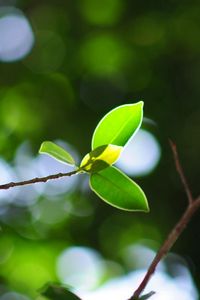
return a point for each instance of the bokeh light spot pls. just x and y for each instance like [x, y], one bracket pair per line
[167, 287]
[104, 54]
[13, 296]
[104, 12]
[52, 212]
[141, 155]
[16, 35]
[80, 267]
[16, 112]
[30, 260]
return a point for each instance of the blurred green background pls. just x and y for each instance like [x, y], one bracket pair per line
[63, 65]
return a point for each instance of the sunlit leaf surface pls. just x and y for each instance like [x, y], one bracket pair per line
[56, 152]
[118, 190]
[119, 125]
[100, 158]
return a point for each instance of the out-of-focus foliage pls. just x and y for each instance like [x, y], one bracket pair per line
[63, 65]
[52, 291]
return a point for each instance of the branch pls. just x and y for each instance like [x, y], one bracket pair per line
[36, 180]
[168, 243]
[180, 172]
[193, 206]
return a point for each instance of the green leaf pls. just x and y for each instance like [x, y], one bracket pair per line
[117, 189]
[145, 297]
[100, 158]
[56, 152]
[119, 125]
[56, 292]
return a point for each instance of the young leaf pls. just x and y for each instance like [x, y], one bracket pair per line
[56, 292]
[56, 152]
[147, 296]
[100, 158]
[119, 125]
[118, 190]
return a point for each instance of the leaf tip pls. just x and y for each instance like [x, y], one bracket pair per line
[140, 104]
[146, 209]
[57, 152]
[42, 146]
[118, 190]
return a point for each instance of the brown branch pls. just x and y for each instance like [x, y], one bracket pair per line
[193, 206]
[36, 180]
[180, 171]
[169, 242]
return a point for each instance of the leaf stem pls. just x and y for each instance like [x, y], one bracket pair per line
[37, 180]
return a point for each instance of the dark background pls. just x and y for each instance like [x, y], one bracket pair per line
[87, 58]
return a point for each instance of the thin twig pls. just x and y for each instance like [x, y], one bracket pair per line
[168, 243]
[180, 172]
[36, 180]
[193, 206]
